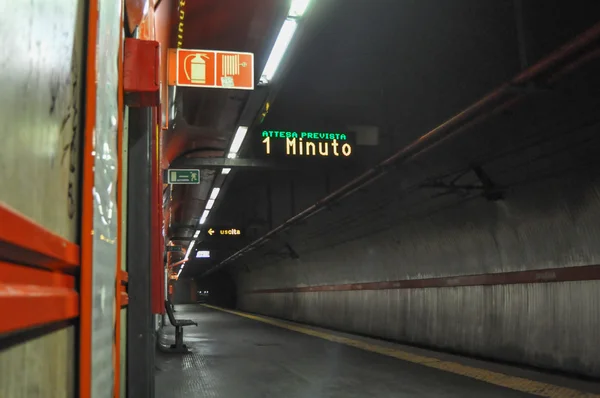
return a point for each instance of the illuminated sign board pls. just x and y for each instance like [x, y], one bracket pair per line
[183, 176]
[307, 144]
[223, 232]
[210, 68]
[174, 249]
[203, 254]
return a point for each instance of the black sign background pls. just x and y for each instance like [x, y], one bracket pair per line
[278, 145]
[218, 235]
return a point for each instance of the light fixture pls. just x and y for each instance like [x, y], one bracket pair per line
[203, 254]
[210, 204]
[204, 216]
[238, 139]
[197, 233]
[278, 51]
[187, 253]
[191, 246]
[214, 193]
[173, 107]
[298, 8]
[226, 170]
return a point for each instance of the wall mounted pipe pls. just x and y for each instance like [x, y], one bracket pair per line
[558, 64]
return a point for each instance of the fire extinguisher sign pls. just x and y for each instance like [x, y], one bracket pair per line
[211, 68]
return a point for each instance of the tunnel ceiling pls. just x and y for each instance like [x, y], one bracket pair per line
[404, 68]
[205, 119]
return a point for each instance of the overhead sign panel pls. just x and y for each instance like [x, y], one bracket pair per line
[174, 249]
[203, 254]
[223, 232]
[211, 68]
[183, 176]
[312, 144]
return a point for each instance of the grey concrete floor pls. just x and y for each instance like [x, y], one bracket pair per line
[234, 357]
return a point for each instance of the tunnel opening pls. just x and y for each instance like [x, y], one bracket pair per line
[218, 289]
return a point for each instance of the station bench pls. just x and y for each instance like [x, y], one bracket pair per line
[179, 324]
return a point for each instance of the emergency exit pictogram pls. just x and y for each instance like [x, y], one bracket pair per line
[211, 68]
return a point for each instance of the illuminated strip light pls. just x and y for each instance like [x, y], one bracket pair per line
[187, 256]
[204, 216]
[281, 44]
[197, 233]
[238, 139]
[210, 204]
[298, 8]
[187, 253]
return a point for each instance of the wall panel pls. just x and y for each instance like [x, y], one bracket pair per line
[549, 223]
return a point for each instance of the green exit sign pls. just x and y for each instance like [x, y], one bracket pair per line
[171, 249]
[183, 176]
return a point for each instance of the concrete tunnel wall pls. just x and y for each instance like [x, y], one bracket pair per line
[554, 223]
[549, 218]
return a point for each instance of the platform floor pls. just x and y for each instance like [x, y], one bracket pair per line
[236, 357]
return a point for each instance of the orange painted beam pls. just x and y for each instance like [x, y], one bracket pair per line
[124, 299]
[157, 270]
[24, 241]
[123, 296]
[87, 209]
[123, 276]
[135, 12]
[32, 297]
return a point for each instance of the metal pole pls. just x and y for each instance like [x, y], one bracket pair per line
[140, 320]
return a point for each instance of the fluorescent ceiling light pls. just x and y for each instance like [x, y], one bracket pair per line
[210, 204]
[190, 247]
[204, 216]
[203, 254]
[197, 233]
[298, 8]
[238, 139]
[226, 170]
[281, 44]
[232, 155]
[214, 193]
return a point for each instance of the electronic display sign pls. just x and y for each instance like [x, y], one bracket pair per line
[307, 144]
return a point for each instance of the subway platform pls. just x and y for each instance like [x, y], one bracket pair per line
[239, 355]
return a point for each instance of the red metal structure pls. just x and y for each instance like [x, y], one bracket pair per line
[47, 279]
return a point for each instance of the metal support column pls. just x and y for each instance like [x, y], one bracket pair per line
[140, 320]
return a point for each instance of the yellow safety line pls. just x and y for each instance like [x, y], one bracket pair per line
[499, 379]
